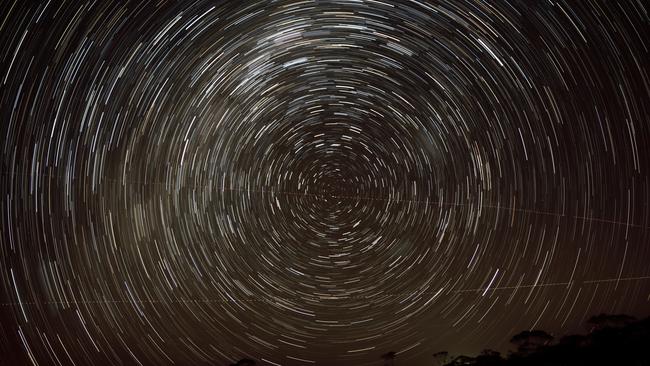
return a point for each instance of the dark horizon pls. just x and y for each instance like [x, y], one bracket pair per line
[317, 183]
[608, 339]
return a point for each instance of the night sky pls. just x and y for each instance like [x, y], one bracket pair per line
[317, 182]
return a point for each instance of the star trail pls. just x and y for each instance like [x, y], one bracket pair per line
[317, 182]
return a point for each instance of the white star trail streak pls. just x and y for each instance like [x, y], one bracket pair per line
[317, 182]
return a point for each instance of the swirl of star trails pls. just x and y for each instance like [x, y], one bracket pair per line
[317, 182]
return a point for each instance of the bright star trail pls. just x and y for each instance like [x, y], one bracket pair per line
[317, 182]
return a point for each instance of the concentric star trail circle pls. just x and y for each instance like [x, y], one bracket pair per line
[317, 182]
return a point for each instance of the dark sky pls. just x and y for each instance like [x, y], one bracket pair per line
[317, 182]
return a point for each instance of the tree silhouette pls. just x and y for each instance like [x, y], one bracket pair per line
[389, 358]
[613, 340]
[574, 340]
[530, 341]
[441, 357]
[462, 361]
[489, 358]
[609, 321]
[244, 362]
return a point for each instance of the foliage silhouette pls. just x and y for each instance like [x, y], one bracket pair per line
[528, 342]
[389, 358]
[612, 340]
[609, 321]
[441, 357]
[244, 362]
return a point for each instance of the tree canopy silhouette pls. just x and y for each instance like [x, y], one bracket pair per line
[530, 341]
[389, 358]
[612, 340]
[609, 321]
[244, 362]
